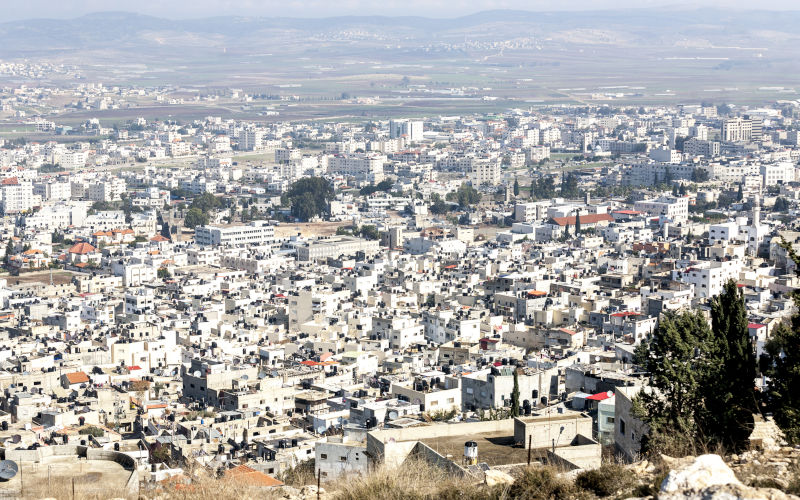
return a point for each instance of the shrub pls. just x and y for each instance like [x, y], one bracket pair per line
[543, 483]
[607, 480]
[301, 474]
[91, 431]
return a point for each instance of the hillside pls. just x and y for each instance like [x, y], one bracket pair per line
[502, 45]
[773, 474]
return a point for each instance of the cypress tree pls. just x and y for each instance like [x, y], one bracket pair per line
[515, 396]
[781, 363]
[672, 357]
[730, 395]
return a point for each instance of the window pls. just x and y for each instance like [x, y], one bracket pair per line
[324, 456]
[343, 459]
[622, 427]
[610, 420]
[633, 436]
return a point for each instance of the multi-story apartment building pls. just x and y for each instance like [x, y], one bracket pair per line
[411, 130]
[255, 233]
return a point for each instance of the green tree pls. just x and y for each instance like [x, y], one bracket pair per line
[206, 202]
[163, 273]
[740, 193]
[543, 188]
[9, 251]
[309, 197]
[781, 205]
[515, 396]
[195, 217]
[668, 177]
[671, 356]
[465, 196]
[438, 205]
[369, 232]
[516, 187]
[699, 175]
[569, 186]
[577, 223]
[730, 395]
[385, 185]
[781, 364]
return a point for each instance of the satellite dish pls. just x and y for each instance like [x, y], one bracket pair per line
[245, 377]
[16, 438]
[262, 375]
[196, 373]
[8, 469]
[321, 429]
[393, 415]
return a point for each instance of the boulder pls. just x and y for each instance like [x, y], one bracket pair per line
[729, 492]
[495, 477]
[703, 472]
[707, 477]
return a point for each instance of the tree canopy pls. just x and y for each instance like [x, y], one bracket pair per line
[465, 196]
[309, 197]
[702, 379]
[195, 217]
[781, 364]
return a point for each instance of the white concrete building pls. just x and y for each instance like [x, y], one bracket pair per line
[255, 233]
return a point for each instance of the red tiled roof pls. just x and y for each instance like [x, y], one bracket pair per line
[251, 477]
[755, 326]
[77, 378]
[585, 219]
[82, 248]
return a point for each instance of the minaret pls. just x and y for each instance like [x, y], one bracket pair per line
[754, 230]
[756, 211]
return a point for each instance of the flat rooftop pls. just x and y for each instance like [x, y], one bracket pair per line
[495, 448]
[54, 477]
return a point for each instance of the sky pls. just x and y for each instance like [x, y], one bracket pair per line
[14, 10]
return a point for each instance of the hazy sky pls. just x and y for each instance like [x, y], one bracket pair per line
[25, 9]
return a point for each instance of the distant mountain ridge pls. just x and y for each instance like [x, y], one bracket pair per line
[37, 35]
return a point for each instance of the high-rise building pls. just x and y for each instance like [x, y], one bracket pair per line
[742, 129]
[250, 140]
[412, 130]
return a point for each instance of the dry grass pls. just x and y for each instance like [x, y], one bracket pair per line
[209, 489]
[414, 480]
[63, 490]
